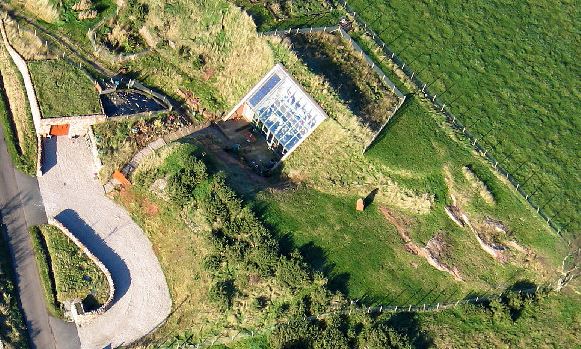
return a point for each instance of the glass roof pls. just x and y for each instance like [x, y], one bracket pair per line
[285, 110]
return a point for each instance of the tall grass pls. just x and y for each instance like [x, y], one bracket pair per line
[42, 9]
[17, 117]
[209, 42]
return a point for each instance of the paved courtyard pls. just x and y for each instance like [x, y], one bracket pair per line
[73, 195]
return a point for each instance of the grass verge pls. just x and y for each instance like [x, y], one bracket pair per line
[12, 326]
[16, 117]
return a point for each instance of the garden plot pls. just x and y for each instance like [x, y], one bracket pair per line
[63, 89]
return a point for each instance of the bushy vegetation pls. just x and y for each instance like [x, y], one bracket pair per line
[63, 89]
[507, 70]
[284, 14]
[15, 116]
[67, 274]
[12, 328]
[228, 269]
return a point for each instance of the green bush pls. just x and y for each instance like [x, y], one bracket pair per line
[183, 183]
[222, 294]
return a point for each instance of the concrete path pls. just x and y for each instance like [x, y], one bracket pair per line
[73, 195]
[21, 207]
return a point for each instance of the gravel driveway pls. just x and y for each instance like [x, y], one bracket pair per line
[72, 194]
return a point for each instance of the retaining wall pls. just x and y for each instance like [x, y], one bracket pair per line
[79, 318]
[79, 125]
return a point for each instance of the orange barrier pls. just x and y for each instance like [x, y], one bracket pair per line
[117, 175]
[59, 130]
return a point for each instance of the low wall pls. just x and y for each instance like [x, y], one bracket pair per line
[79, 318]
[79, 125]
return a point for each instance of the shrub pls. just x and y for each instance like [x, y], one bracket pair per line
[381, 336]
[292, 272]
[182, 183]
[222, 294]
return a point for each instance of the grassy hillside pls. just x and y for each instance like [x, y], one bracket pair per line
[419, 169]
[510, 69]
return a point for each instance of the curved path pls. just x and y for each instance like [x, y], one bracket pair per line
[73, 195]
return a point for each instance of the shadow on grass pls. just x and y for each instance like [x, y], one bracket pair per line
[408, 324]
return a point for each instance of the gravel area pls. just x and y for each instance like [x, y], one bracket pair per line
[73, 195]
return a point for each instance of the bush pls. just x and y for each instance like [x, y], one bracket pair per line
[222, 293]
[292, 272]
[182, 183]
[382, 336]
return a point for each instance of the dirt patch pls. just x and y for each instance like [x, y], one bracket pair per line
[455, 214]
[436, 249]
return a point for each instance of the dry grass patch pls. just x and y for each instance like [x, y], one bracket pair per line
[42, 9]
[26, 42]
[212, 41]
[478, 185]
[12, 87]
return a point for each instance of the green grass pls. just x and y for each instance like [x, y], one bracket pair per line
[43, 261]
[66, 272]
[12, 326]
[15, 116]
[25, 164]
[509, 67]
[63, 89]
[363, 253]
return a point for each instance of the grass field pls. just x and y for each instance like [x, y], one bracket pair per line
[12, 326]
[418, 166]
[63, 89]
[67, 274]
[510, 69]
[15, 116]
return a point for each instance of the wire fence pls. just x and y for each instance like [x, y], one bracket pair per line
[441, 107]
[353, 307]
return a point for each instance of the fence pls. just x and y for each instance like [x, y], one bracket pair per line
[349, 309]
[439, 106]
[332, 29]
